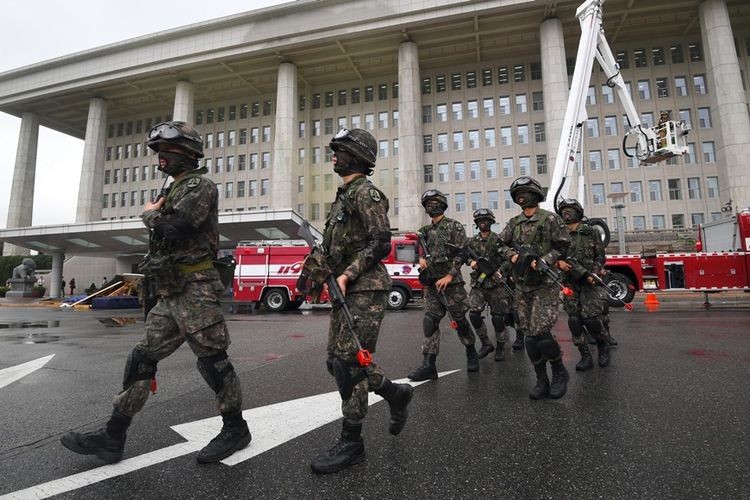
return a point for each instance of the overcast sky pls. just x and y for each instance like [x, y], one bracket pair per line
[46, 29]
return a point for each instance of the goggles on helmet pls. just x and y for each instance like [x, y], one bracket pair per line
[345, 134]
[483, 213]
[165, 131]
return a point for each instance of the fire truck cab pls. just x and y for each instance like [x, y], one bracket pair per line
[267, 272]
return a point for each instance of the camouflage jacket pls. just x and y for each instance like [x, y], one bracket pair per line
[185, 233]
[545, 233]
[356, 225]
[586, 249]
[487, 248]
[444, 243]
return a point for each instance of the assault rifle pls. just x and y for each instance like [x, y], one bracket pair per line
[149, 287]
[425, 280]
[337, 297]
[487, 270]
[526, 255]
[582, 271]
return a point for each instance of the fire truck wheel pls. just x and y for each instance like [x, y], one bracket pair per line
[622, 287]
[398, 298]
[276, 299]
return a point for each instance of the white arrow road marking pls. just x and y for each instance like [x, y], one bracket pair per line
[271, 426]
[10, 375]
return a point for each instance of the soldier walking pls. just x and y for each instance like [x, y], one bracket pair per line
[185, 225]
[586, 307]
[443, 292]
[487, 290]
[357, 237]
[537, 235]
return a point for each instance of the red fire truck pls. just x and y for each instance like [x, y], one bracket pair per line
[267, 273]
[721, 263]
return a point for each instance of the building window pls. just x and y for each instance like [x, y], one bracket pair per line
[382, 92]
[521, 106]
[654, 190]
[440, 83]
[541, 164]
[539, 133]
[699, 84]
[639, 56]
[458, 171]
[519, 74]
[427, 114]
[523, 134]
[476, 200]
[610, 125]
[657, 221]
[597, 194]
[474, 170]
[507, 200]
[355, 95]
[442, 172]
[472, 109]
[678, 221]
[592, 127]
[708, 152]
[662, 87]
[491, 168]
[383, 149]
[456, 81]
[504, 105]
[591, 96]
[639, 222]
[460, 202]
[493, 201]
[636, 191]
[253, 161]
[489, 137]
[458, 141]
[442, 142]
[685, 116]
[595, 160]
[441, 112]
[426, 86]
[302, 100]
[675, 190]
[427, 143]
[471, 79]
[502, 75]
[506, 136]
[486, 77]
[524, 165]
[613, 159]
[427, 173]
[704, 117]
[341, 98]
[536, 70]
[327, 126]
[696, 219]
[537, 101]
[488, 105]
[680, 85]
[255, 107]
[657, 55]
[369, 93]
[644, 90]
[356, 121]
[508, 170]
[695, 51]
[712, 187]
[676, 51]
[457, 111]
[473, 139]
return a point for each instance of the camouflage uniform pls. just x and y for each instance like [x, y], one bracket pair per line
[358, 214]
[188, 286]
[538, 297]
[490, 292]
[444, 241]
[587, 302]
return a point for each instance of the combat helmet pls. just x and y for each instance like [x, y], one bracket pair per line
[175, 133]
[434, 194]
[483, 213]
[570, 203]
[526, 184]
[358, 142]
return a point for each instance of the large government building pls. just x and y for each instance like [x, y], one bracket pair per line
[461, 95]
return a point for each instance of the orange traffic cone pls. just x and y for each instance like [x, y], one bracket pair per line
[651, 300]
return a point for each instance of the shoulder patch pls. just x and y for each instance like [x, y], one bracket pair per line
[374, 194]
[193, 182]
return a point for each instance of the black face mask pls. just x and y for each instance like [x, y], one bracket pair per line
[434, 208]
[570, 216]
[345, 163]
[484, 226]
[177, 163]
[527, 199]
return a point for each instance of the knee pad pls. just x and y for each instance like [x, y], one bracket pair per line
[214, 368]
[510, 320]
[532, 348]
[138, 367]
[475, 317]
[549, 347]
[464, 329]
[575, 324]
[347, 375]
[594, 326]
[430, 324]
[498, 321]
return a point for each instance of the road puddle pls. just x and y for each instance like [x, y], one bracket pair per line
[15, 325]
[117, 321]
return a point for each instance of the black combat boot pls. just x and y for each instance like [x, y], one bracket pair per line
[234, 436]
[560, 377]
[602, 347]
[348, 450]
[485, 350]
[427, 371]
[472, 360]
[500, 352]
[398, 397]
[611, 340]
[541, 389]
[518, 345]
[586, 363]
[107, 443]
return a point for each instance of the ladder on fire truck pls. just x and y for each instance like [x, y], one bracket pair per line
[652, 144]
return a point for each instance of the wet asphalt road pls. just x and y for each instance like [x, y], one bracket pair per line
[670, 418]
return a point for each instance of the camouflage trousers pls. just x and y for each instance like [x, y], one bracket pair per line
[587, 302]
[537, 310]
[193, 316]
[456, 301]
[500, 302]
[368, 309]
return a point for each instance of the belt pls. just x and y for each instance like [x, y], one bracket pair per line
[198, 266]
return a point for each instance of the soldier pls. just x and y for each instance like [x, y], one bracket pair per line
[529, 237]
[586, 306]
[357, 236]
[440, 273]
[185, 225]
[487, 290]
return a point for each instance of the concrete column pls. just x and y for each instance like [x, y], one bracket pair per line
[56, 275]
[283, 191]
[92, 170]
[554, 84]
[183, 102]
[410, 171]
[20, 209]
[728, 102]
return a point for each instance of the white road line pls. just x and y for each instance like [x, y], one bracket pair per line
[10, 375]
[270, 425]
